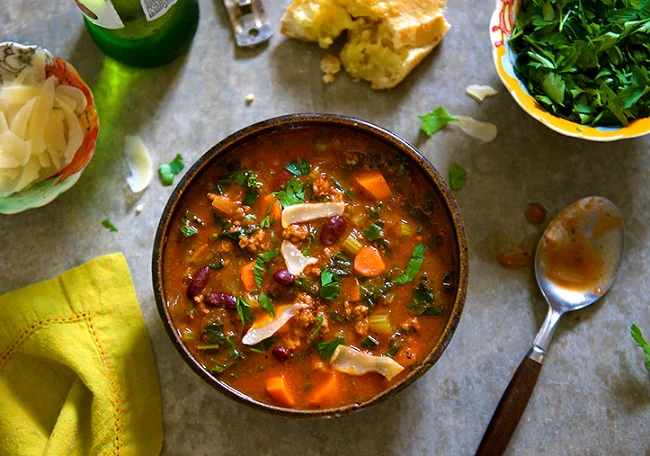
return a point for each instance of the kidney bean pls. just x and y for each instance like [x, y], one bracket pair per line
[220, 299]
[199, 281]
[283, 277]
[332, 230]
[281, 353]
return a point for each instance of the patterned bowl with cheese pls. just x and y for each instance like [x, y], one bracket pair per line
[14, 58]
[501, 27]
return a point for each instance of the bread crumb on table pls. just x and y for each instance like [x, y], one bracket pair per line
[330, 65]
[250, 98]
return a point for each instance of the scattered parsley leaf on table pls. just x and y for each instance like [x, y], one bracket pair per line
[169, 170]
[435, 120]
[457, 177]
[108, 224]
[645, 346]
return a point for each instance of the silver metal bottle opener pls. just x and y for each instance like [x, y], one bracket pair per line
[249, 22]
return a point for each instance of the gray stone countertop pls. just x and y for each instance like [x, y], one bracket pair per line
[593, 395]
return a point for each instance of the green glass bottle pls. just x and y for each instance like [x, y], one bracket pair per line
[143, 33]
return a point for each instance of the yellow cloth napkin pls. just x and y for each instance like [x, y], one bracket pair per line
[77, 373]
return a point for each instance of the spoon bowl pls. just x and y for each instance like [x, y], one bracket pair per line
[576, 262]
[580, 253]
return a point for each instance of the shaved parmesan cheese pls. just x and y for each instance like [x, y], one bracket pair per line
[480, 92]
[3, 123]
[352, 362]
[266, 327]
[75, 94]
[296, 262]
[485, 131]
[310, 211]
[139, 161]
[40, 131]
[19, 94]
[19, 122]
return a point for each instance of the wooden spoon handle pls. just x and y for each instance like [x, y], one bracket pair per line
[510, 409]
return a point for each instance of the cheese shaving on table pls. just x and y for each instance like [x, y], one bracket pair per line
[40, 131]
[485, 131]
[139, 161]
[480, 92]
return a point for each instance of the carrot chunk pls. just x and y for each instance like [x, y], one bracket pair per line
[275, 211]
[375, 184]
[350, 289]
[248, 276]
[368, 262]
[326, 392]
[279, 391]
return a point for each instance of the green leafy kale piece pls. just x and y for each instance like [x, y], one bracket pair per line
[413, 266]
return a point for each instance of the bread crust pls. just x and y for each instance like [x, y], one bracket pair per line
[413, 23]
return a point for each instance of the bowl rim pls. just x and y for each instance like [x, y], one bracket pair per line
[499, 32]
[288, 122]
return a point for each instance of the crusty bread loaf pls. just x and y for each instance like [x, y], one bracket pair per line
[315, 20]
[386, 38]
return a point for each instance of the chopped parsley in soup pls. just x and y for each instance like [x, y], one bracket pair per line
[311, 268]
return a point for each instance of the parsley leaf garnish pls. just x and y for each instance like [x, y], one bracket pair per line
[187, 228]
[244, 310]
[457, 177]
[435, 120]
[326, 349]
[424, 300]
[233, 352]
[329, 285]
[260, 264]
[247, 178]
[298, 167]
[413, 266]
[169, 170]
[319, 319]
[267, 304]
[638, 337]
[214, 333]
[292, 194]
[108, 224]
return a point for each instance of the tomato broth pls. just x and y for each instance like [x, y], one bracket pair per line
[310, 268]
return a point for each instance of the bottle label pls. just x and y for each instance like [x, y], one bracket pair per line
[101, 12]
[153, 9]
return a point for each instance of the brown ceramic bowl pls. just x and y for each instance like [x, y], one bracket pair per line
[289, 122]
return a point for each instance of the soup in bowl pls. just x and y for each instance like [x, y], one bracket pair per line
[311, 265]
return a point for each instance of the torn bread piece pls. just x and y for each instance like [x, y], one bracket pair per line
[385, 39]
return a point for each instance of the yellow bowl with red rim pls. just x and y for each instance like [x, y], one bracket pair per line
[15, 57]
[501, 27]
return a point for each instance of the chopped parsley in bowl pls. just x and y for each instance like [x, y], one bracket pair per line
[579, 67]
